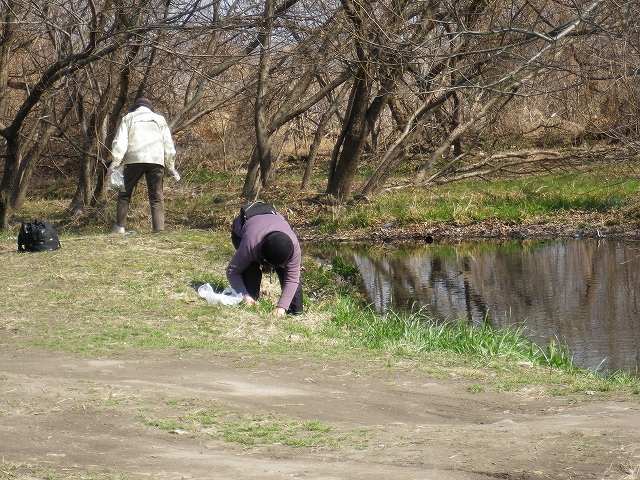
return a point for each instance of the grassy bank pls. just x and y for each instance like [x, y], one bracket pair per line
[596, 195]
[555, 197]
[106, 295]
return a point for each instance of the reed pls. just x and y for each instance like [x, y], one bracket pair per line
[413, 333]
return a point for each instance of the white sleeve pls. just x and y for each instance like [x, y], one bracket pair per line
[120, 143]
[169, 148]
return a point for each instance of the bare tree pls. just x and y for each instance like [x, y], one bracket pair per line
[335, 101]
[313, 80]
[110, 42]
[393, 81]
[25, 140]
[429, 73]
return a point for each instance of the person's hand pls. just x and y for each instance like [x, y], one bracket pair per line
[174, 173]
[279, 312]
[249, 301]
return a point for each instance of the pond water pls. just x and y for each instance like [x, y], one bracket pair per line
[583, 293]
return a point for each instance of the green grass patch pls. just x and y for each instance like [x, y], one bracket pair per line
[513, 200]
[269, 430]
[190, 417]
[407, 334]
[208, 200]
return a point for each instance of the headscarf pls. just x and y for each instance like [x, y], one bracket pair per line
[142, 102]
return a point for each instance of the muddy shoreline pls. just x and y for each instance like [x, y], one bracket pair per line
[480, 231]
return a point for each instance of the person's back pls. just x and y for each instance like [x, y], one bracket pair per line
[145, 138]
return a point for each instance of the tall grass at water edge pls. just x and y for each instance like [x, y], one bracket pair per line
[407, 335]
[413, 333]
[413, 330]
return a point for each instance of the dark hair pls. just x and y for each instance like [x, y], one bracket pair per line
[277, 249]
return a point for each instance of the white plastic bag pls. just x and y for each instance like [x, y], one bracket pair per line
[228, 297]
[116, 181]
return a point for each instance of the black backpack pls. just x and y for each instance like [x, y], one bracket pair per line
[37, 236]
[256, 208]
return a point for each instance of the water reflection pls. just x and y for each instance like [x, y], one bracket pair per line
[582, 292]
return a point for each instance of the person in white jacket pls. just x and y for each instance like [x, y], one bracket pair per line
[143, 144]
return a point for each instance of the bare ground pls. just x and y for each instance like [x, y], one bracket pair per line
[83, 414]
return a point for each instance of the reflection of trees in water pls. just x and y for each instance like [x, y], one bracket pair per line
[418, 280]
[581, 292]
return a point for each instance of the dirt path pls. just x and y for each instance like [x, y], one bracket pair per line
[84, 414]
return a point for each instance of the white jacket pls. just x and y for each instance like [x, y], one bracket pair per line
[143, 137]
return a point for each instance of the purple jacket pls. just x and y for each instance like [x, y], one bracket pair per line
[252, 234]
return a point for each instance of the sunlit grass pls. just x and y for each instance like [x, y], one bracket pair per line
[412, 333]
[195, 419]
[209, 200]
[513, 201]
[269, 429]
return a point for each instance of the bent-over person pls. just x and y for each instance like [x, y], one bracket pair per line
[266, 241]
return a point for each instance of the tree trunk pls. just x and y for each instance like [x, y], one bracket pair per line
[9, 175]
[26, 167]
[317, 138]
[112, 120]
[263, 145]
[251, 187]
[81, 196]
[348, 150]
[7, 32]
[342, 175]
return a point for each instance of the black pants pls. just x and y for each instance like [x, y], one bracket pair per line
[154, 175]
[252, 279]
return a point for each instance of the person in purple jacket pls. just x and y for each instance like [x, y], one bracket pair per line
[263, 242]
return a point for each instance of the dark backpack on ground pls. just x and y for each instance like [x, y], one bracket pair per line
[256, 208]
[37, 236]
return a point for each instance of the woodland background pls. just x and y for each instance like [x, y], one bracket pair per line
[440, 90]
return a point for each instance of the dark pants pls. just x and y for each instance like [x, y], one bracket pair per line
[154, 175]
[252, 279]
